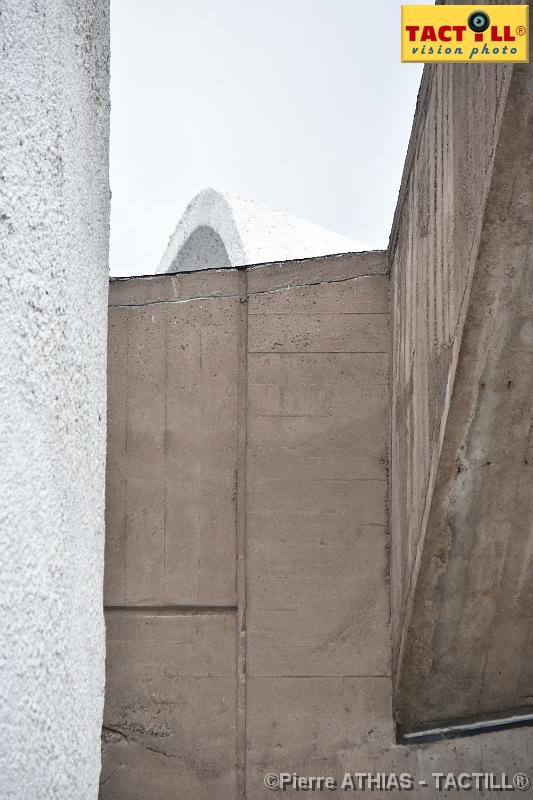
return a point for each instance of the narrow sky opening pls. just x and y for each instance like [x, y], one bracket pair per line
[303, 106]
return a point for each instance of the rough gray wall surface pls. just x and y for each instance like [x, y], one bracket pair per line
[468, 625]
[433, 248]
[53, 249]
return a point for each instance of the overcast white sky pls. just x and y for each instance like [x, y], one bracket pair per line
[300, 104]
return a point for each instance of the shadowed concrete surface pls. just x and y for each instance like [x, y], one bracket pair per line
[433, 248]
[246, 568]
[461, 403]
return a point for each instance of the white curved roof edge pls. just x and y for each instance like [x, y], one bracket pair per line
[252, 233]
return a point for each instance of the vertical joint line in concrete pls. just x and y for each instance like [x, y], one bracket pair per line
[242, 368]
[165, 436]
[125, 540]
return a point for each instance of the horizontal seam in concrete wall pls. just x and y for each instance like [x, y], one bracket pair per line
[333, 676]
[319, 314]
[169, 610]
[317, 352]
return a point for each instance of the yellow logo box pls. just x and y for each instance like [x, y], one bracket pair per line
[477, 34]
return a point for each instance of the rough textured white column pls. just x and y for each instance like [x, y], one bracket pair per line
[54, 200]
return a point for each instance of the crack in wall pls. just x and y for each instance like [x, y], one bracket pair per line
[236, 296]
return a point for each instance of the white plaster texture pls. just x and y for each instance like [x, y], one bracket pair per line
[219, 229]
[54, 199]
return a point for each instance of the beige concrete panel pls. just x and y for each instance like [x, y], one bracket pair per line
[294, 724]
[361, 370]
[303, 546]
[185, 645]
[339, 333]
[363, 295]
[316, 438]
[363, 500]
[313, 432]
[285, 395]
[169, 724]
[201, 442]
[144, 579]
[316, 270]
[161, 288]
[317, 602]
[316, 463]
[339, 641]
[115, 503]
[314, 726]
[335, 432]
[329, 726]
[331, 428]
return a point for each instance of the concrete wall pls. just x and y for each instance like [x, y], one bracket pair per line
[318, 651]
[53, 284]
[247, 546]
[246, 486]
[461, 516]
[170, 581]
[433, 248]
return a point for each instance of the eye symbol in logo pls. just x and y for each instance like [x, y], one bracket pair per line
[478, 21]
